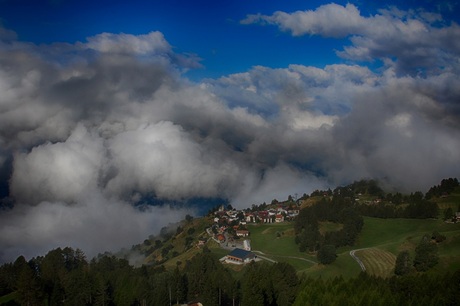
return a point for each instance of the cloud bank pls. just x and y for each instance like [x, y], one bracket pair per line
[88, 130]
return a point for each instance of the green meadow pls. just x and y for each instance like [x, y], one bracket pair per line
[378, 245]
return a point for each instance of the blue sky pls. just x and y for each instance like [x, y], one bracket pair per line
[102, 105]
[209, 29]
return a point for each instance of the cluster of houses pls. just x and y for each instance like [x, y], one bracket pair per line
[271, 215]
[237, 220]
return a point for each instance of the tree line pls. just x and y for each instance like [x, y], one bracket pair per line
[65, 277]
[444, 188]
[417, 207]
[417, 289]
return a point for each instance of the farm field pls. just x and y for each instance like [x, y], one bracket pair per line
[377, 261]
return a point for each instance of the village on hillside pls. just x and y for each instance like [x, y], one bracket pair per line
[230, 230]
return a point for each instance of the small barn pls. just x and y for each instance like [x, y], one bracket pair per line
[240, 256]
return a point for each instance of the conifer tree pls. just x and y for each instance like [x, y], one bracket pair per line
[29, 289]
[403, 264]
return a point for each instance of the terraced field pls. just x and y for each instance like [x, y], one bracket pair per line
[378, 262]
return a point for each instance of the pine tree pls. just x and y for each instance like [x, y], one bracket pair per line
[252, 293]
[179, 286]
[403, 265]
[29, 289]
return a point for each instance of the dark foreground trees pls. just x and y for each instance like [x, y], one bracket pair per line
[269, 284]
[64, 277]
[425, 289]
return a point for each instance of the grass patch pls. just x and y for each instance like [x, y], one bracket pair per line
[377, 262]
[300, 263]
[8, 298]
[216, 251]
[391, 234]
[274, 239]
[344, 266]
[449, 251]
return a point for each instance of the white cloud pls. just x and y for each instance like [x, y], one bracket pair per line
[296, 89]
[278, 183]
[148, 44]
[306, 120]
[58, 172]
[414, 38]
[329, 20]
[162, 159]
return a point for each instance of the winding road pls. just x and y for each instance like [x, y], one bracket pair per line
[352, 254]
[263, 257]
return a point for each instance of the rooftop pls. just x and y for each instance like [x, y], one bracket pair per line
[240, 253]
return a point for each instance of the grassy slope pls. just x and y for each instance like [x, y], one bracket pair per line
[264, 238]
[385, 237]
[178, 243]
[395, 235]
[452, 201]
